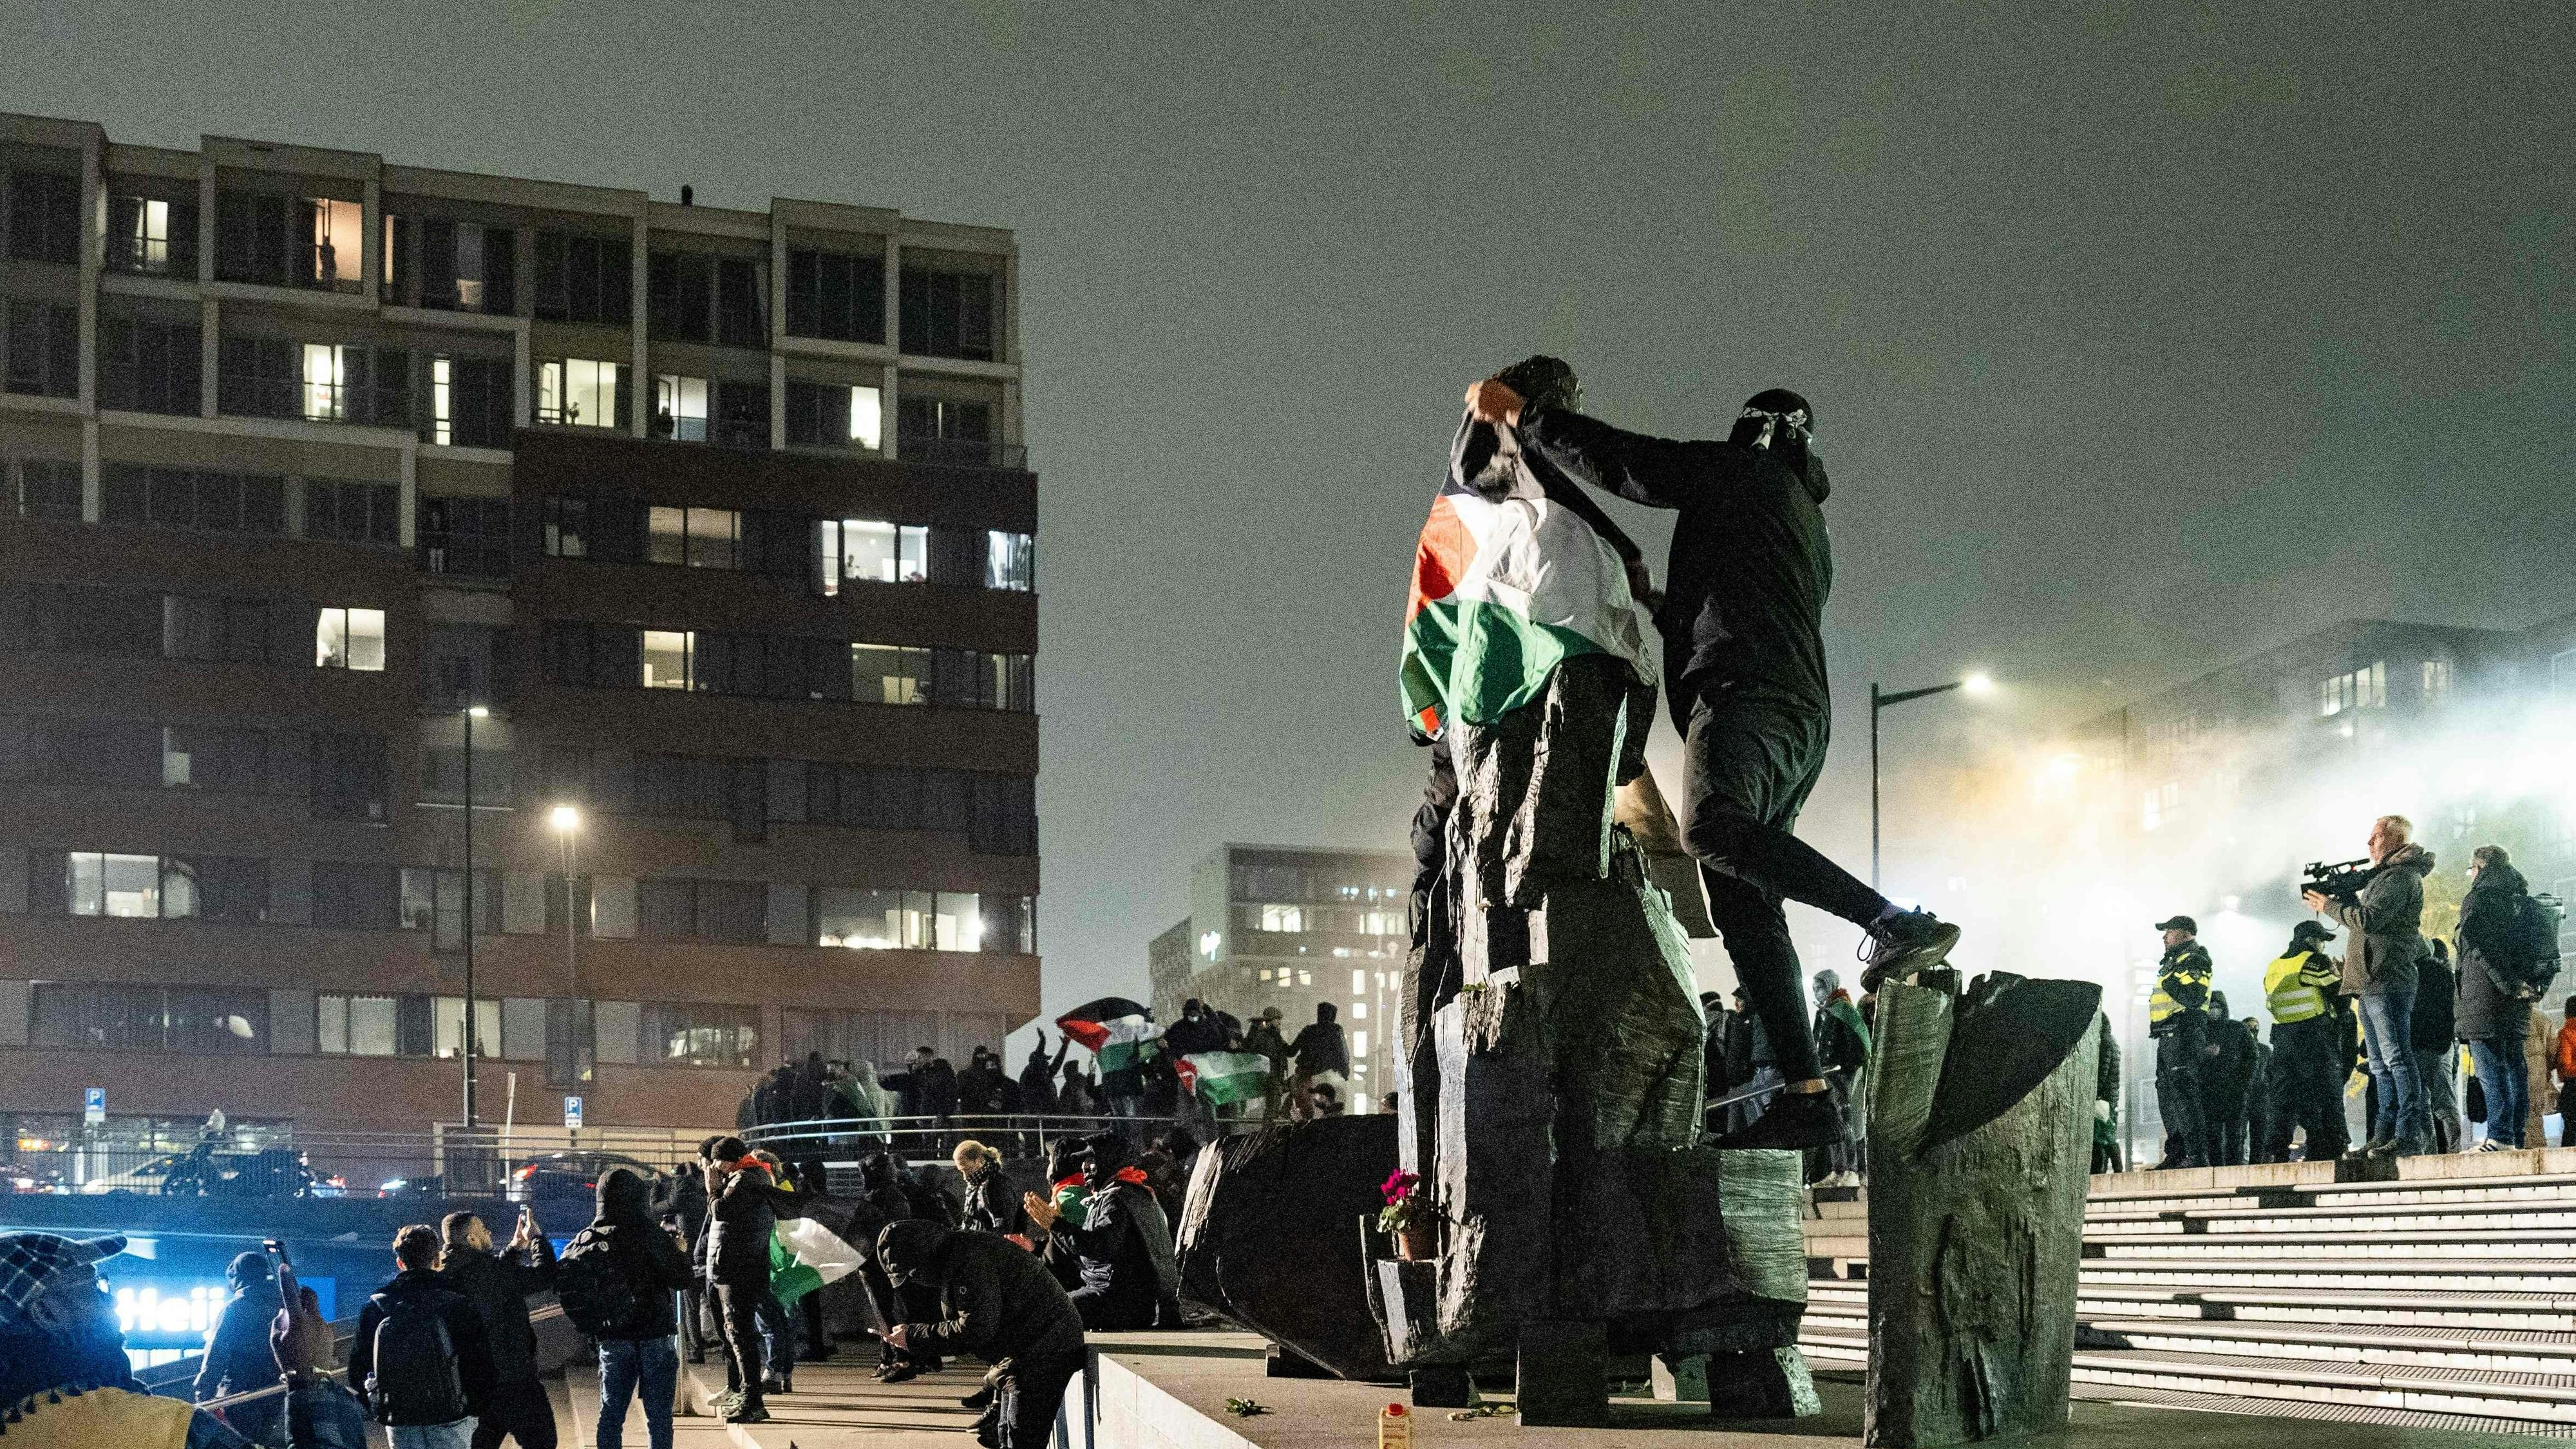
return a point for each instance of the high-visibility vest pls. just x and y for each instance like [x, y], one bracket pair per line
[2289, 992]
[2191, 966]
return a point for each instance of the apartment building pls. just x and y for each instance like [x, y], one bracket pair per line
[1294, 928]
[671, 565]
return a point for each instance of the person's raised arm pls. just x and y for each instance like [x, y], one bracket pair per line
[1657, 472]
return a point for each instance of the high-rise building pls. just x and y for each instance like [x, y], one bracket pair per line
[1294, 928]
[680, 558]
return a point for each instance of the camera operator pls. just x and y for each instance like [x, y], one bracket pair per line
[2385, 918]
[2178, 1019]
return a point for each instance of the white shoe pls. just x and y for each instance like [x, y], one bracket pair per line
[2489, 1145]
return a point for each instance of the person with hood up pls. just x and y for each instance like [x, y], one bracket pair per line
[2227, 1084]
[991, 1205]
[1744, 672]
[1842, 1048]
[995, 1301]
[1037, 1077]
[2386, 919]
[636, 1354]
[743, 1218]
[1121, 1243]
[66, 1383]
[2436, 1048]
[238, 1359]
[979, 1087]
[2494, 1017]
[498, 1285]
[888, 1198]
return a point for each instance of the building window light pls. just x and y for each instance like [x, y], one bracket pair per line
[326, 382]
[679, 407]
[149, 245]
[349, 639]
[666, 658]
[867, 416]
[578, 392]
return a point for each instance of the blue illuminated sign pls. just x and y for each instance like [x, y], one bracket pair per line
[179, 1313]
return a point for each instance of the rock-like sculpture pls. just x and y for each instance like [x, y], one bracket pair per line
[1270, 1238]
[1980, 1140]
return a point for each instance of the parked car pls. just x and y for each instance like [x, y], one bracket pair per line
[273, 1172]
[556, 1177]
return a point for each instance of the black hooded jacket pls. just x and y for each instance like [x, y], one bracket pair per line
[997, 1301]
[1744, 593]
[654, 1266]
[740, 1222]
[239, 1359]
[498, 1287]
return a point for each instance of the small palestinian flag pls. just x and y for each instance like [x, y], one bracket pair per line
[1218, 1078]
[806, 1253]
[1116, 1029]
[1507, 584]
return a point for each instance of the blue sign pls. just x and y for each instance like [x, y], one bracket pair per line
[572, 1111]
[93, 1105]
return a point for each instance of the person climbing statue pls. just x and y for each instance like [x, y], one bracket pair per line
[1744, 666]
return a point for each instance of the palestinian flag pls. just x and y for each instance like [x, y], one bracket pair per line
[1115, 1029]
[1218, 1078]
[807, 1252]
[1507, 584]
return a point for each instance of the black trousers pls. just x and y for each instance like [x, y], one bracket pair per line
[518, 1410]
[738, 1309]
[1749, 761]
[2307, 1090]
[1028, 1397]
[2189, 1142]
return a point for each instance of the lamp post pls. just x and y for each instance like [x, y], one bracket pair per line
[472, 713]
[567, 823]
[1881, 700]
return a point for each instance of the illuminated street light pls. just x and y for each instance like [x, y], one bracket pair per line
[1979, 684]
[567, 819]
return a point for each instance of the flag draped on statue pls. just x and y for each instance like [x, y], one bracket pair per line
[1219, 1078]
[1507, 584]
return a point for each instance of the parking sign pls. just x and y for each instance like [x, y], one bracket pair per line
[572, 1111]
[93, 1105]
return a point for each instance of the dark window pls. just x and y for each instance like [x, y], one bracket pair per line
[946, 430]
[1005, 816]
[467, 537]
[819, 415]
[463, 664]
[949, 313]
[468, 267]
[49, 488]
[381, 380]
[594, 656]
[747, 799]
[210, 757]
[149, 366]
[43, 344]
[110, 752]
[257, 377]
[343, 512]
[836, 295]
[354, 897]
[469, 402]
[584, 279]
[150, 235]
[81, 620]
[742, 307]
[864, 797]
[698, 1035]
[151, 1019]
[780, 546]
[201, 499]
[225, 631]
[679, 290]
[565, 532]
[442, 775]
[44, 217]
[250, 238]
[229, 890]
[741, 414]
[348, 780]
[434, 900]
[729, 912]
[689, 787]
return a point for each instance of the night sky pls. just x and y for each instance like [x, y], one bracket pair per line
[2141, 336]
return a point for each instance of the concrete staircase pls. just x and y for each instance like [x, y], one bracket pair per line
[2442, 1298]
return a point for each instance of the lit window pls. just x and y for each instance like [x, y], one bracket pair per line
[1359, 1012]
[858, 550]
[666, 658]
[1011, 562]
[1304, 978]
[1359, 1044]
[680, 407]
[442, 402]
[337, 259]
[148, 246]
[113, 885]
[349, 639]
[960, 922]
[357, 1026]
[1359, 979]
[2437, 678]
[1283, 918]
[867, 416]
[889, 674]
[706, 538]
[326, 382]
[578, 392]
[447, 1031]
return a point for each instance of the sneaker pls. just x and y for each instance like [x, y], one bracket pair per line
[726, 1402]
[981, 1398]
[747, 1414]
[1902, 943]
[2489, 1145]
[898, 1373]
[1802, 1119]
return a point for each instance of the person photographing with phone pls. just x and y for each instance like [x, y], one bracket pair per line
[498, 1284]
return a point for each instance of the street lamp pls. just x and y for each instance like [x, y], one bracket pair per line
[1977, 685]
[567, 823]
[472, 713]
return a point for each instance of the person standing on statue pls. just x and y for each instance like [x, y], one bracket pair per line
[2178, 1020]
[1744, 661]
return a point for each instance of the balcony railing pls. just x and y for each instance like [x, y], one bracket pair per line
[962, 453]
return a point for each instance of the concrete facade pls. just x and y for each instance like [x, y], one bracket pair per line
[721, 516]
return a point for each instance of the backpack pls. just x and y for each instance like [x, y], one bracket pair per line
[415, 1380]
[2531, 961]
[593, 1287]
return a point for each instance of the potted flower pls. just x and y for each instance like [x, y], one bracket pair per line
[1410, 1215]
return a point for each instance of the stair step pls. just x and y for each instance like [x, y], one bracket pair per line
[2473, 1274]
[2551, 1354]
[2230, 1246]
[2441, 1190]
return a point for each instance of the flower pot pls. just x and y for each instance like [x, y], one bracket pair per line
[1416, 1243]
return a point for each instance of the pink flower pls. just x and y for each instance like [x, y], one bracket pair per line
[1400, 1185]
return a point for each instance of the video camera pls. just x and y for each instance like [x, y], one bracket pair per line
[2340, 881]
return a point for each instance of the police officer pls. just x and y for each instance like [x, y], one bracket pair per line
[2178, 1019]
[2308, 1057]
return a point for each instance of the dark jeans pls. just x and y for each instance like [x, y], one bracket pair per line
[518, 1410]
[2507, 1085]
[2188, 1139]
[738, 1308]
[630, 1365]
[1028, 1398]
[778, 1338]
[2307, 1090]
[1748, 763]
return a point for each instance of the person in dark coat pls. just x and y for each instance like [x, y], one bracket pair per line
[2226, 1080]
[416, 1252]
[2106, 1098]
[744, 1209]
[636, 1357]
[992, 1204]
[979, 1087]
[499, 1285]
[995, 1301]
[888, 1197]
[1744, 668]
[2494, 1018]
[684, 1201]
[1119, 1239]
[238, 1359]
[2437, 1051]
[1037, 1078]
[939, 1088]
